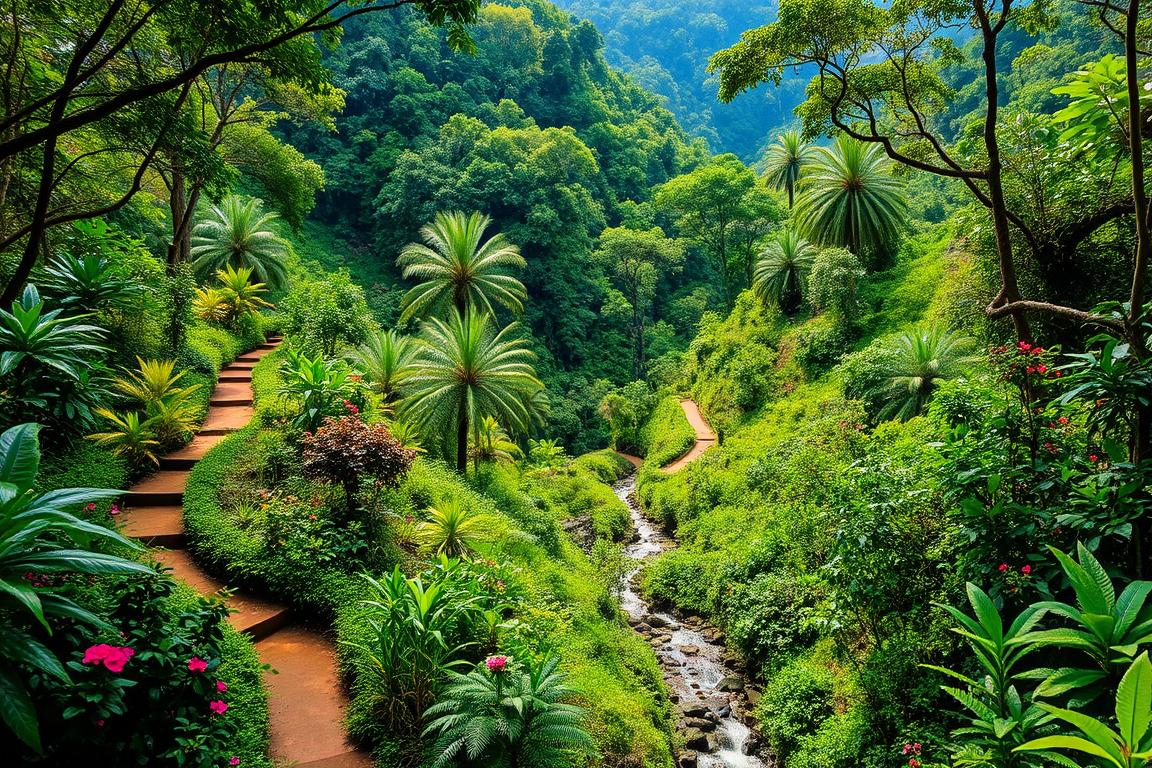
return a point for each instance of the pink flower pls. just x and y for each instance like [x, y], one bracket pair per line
[113, 657]
[114, 510]
[1026, 570]
[496, 664]
[1024, 346]
[100, 723]
[90, 507]
[197, 664]
[1003, 567]
[218, 707]
[234, 761]
[221, 686]
[1042, 368]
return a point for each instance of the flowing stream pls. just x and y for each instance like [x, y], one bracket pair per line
[707, 692]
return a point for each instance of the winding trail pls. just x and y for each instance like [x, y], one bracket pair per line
[703, 676]
[305, 699]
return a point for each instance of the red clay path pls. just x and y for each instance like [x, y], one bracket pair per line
[705, 439]
[305, 700]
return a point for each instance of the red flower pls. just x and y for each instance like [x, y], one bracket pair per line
[1062, 420]
[221, 686]
[113, 657]
[1024, 346]
[1003, 567]
[218, 707]
[1093, 457]
[91, 506]
[197, 664]
[913, 763]
[1042, 368]
[1050, 447]
[1026, 570]
[1030, 369]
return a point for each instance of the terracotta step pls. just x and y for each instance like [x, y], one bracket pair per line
[248, 357]
[256, 616]
[232, 394]
[346, 760]
[224, 419]
[305, 702]
[163, 488]
[155, 526]
[239, 376]
[187, 456]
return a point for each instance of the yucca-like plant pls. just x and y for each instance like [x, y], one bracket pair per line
[454, 267]
[406, 434]
[924, 356]
[462, 372]
[239, 233]
[785, 162]
[171, 414]
[503, 713]
[490, 443]
[384, 358]
[780, 276]
[454, 529]
[211, 304]
[86, 283]
[546, 454]
[241, 294]
[129, 436]
[40, 539]
[848, 197]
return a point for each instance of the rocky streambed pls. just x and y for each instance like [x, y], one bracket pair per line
[710, 695]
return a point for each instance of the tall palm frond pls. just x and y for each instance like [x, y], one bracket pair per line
[849, 198]
[781, 273]
[925, 356]
[462, 372]
[785, 162]
[239, 233]
[453, 266]
[384, 358]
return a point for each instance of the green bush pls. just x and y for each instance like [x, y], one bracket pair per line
[839, 742]
[666, 435]
[795, 701]
[773, 616]
[821, 345]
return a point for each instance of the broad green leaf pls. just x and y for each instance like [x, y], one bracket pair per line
[16, 709]
[20, 455]
[1070, 742]
[1134, 701]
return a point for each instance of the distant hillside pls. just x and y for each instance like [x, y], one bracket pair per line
[665, 45]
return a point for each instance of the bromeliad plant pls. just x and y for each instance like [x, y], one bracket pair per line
[320, 387]
[41, 540]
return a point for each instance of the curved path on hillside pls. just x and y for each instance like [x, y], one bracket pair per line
[305, 700]
[705, 439]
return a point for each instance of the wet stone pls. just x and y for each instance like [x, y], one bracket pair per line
[730, 684]
[700, 724]
[688, 760]
[689, 650]
[696, 739]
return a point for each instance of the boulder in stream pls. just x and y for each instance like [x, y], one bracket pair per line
[696, 739]
[688, 760]
[731, 684]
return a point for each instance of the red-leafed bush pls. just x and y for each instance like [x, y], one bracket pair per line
[345, 450]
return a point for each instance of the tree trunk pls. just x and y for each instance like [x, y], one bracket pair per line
[462, 436]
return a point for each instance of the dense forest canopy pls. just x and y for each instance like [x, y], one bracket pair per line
[612, 384]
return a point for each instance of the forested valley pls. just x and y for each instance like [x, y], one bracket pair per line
[624, 383]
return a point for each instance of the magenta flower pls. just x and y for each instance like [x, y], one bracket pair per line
[234, 761]
[218, 707]
[197, 664]
[496, 664]
[113, 657]
[221, 686]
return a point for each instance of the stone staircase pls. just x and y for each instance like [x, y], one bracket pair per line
[306, 703]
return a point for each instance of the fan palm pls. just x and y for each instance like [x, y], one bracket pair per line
[785, 162]
[453, 529]
[384, 358]
[454, 266]
[462, 372]
[849, 198]
[239, 233]
[781, 273]
[924, 357]
[211, 304]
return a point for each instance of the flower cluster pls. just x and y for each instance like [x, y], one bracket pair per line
[351, 407]
[113, 657]
[912, 752]
[1024, 358]
[1025, 570]
[496, 664]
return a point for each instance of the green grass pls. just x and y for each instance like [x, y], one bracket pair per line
[666, 435]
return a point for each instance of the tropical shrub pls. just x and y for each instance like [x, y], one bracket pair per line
[319, 389]
[170, 411]
[128, 436]
[626, 410]
[795, 701]
[320, 315]
[507, 713]
[453, 529]
[87, 284]
[239, 234]
[41, 542]
[490, 443]
[384, 359]
[348, 451]
[211, 304]
[832, 283]
[456, 269]
[241, 295]
[49, 365]
[923, 357]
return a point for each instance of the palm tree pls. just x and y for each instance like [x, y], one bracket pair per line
[238, 233]
[453, 529]
[241, 295]
[384, 358]
[849, 198]
[454, 266]
[924, 356]
[785, 162]
[462, 372]
[781, 273]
